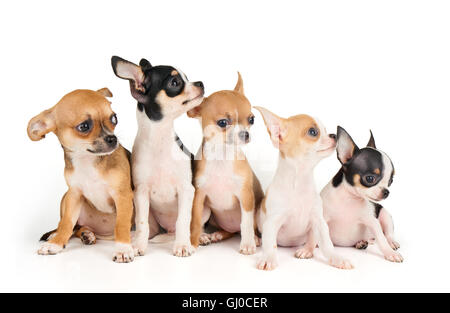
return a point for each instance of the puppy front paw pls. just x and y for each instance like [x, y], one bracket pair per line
[248, 248]
[394, 244]
[124, 253]
[267, 263]
[48, 248]
[304, 253]
[181, 250]
[394, 257]
[140, 247]
[340, 263]
[205, 239]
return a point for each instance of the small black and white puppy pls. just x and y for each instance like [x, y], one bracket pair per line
[350, 200]
[161, 168]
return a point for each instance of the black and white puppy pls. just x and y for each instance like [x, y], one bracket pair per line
[161, 168]
[350, 200]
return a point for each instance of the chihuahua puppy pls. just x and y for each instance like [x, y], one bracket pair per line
[227, 190]
[161, 167]
[99, 201]
[291, 213]
[351, 199]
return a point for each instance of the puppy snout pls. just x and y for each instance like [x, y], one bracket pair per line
[199, 85]
[111, 140]
[244, 136]
[385, 193]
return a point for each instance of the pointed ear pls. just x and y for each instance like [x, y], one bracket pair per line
[105, 92]
[346, 147]
[239, 85]
[371, 142]
[145, 65]
[197, 111]
[127, 70]
[275, 126]
[41, 124]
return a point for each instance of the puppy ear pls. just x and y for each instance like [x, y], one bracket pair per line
[275, 126]
[195, 112]
[239, 85]
[145, 65]
[41, 124]
[371, 141]
[105, 92]
[346, 147]
[127, 70]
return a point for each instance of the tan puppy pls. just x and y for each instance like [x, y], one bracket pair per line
[291, 214]
[100, 198]
[227, 190]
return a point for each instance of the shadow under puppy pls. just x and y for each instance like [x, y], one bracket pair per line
[291, 213]
[99, 202]
[351, 199]
[161, 166]
[227, 190]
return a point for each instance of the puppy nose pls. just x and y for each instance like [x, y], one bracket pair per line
[111, 140]
[332, 136]
[199, 84]
[385, 193]
[244, 136]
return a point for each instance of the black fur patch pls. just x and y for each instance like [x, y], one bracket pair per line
[338, 178]
[378, 207]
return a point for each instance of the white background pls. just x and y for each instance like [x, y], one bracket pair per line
[380, 65]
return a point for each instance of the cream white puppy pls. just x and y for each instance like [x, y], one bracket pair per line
[291, 213]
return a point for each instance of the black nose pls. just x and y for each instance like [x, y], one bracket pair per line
[385, 193]
[111, 140]
[244, 136]
[332, 136]
[199, 84]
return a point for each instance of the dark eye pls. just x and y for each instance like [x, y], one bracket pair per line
[370, 179]
[251, 120]
[84, 127]
[175, 82]
[114, 119]
[313, 132]
[222, 123]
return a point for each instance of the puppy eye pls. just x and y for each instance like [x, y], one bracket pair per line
[251, 120]
[223, 123]
[313, 132]
[370, 179]
[84, 127]
[114, 119]
[175, 82]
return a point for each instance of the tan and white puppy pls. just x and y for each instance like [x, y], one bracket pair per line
[227, 190]
[161, 166]
[291, 213]
[99, 202]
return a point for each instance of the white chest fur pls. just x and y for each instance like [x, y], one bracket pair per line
[159, 163]
[86, 178]
[221, 184]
